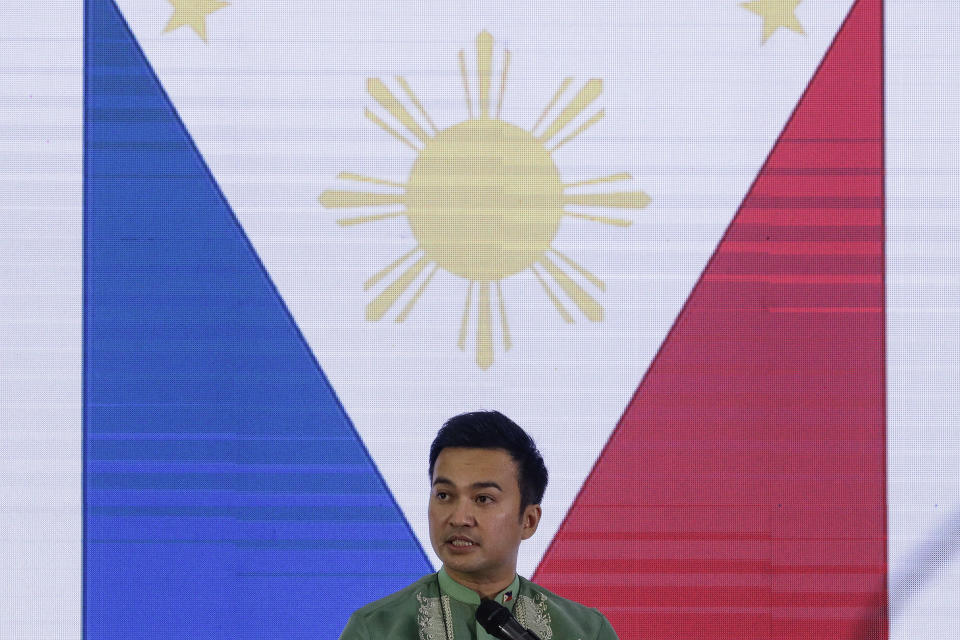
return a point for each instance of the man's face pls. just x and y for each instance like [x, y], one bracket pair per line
[475, 521]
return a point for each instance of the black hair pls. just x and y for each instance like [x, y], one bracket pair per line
[493, 430]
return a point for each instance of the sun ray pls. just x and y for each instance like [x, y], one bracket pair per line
[590, 307]
[413, 301]
[462, 340]
[553, 101]
[393, 132]
[356, 177]
[349, 222]
[597, 117]
[594, 280]
[503, 81]
[484, 328]
[339, 199]
[379, 275]
[484, 64]
[466, 83]
[388, 101]
[620, 200]
[616, 222]
[590, 92]
[507, 342]
[553, 297]
[616, 177]
[416, 101]
[379, 306]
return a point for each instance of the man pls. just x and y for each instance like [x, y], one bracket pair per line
[487, 481]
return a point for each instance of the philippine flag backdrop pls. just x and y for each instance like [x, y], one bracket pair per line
[706, 253]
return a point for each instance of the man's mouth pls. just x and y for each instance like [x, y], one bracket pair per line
[461, 542]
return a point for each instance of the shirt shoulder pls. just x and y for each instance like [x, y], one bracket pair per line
[395, 614]
[566, 618]
[403, 597]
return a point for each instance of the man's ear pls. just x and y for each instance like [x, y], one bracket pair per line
[529, 520]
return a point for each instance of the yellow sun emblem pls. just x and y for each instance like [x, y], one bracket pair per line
[484, 200]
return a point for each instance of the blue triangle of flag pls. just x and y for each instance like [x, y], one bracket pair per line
[226, 493]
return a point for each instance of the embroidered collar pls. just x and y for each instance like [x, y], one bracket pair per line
[457, 591]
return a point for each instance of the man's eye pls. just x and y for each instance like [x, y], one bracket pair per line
[441, 495]
[484, 499]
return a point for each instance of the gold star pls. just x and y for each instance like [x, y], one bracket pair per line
[776, 14]
[193, 13]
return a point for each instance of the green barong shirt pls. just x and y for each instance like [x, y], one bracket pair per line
[437, 608]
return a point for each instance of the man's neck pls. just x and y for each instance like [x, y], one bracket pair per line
[482, 587]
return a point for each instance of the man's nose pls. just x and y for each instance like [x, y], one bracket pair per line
[462, 515]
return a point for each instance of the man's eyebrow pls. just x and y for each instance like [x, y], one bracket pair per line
[489, 484]
[486, 485]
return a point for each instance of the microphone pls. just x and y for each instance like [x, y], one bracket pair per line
[500, 623]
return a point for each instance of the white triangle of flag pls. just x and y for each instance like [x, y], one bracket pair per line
[291, 101]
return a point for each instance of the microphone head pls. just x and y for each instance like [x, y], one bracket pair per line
[492, 616]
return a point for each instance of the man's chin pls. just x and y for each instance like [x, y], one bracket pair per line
[461, 563]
